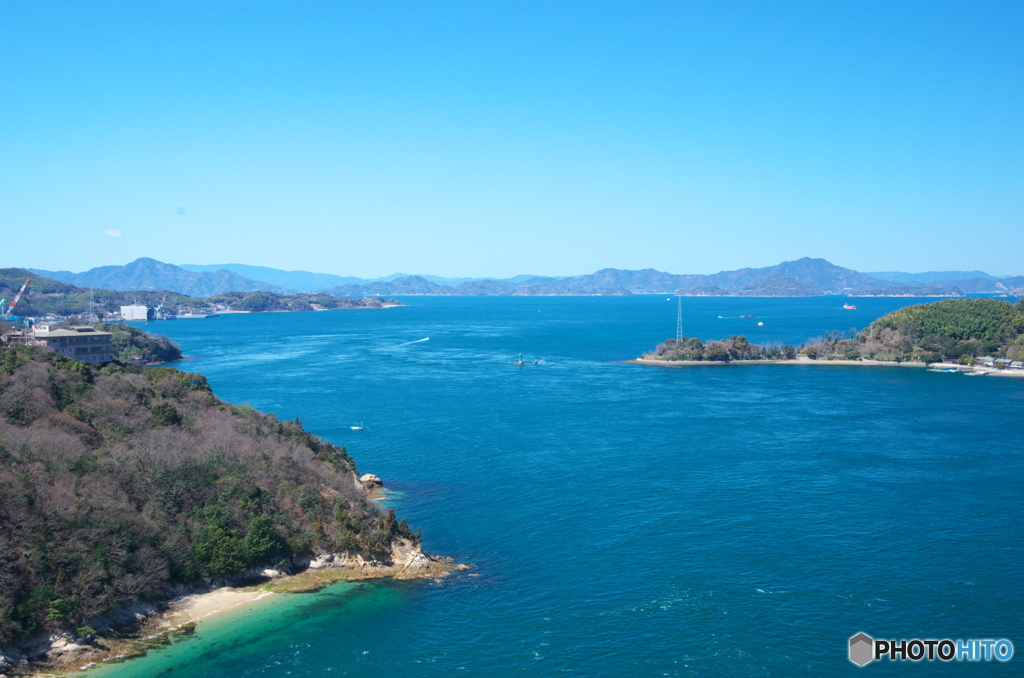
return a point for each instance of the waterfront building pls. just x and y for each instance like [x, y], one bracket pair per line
[136, 312]
[81, 342]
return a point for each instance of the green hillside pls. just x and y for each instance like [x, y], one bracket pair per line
[953, 329]
[132, 344]
[118, 483]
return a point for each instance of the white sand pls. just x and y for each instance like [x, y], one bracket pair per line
[202, 605]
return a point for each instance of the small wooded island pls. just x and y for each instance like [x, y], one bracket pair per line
[123, 487]
[954, 329]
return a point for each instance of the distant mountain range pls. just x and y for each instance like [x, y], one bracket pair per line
[150, 274]
[929, 277]
[803, 277]
[304, 281]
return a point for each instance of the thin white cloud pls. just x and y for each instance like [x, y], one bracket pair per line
[112, 232]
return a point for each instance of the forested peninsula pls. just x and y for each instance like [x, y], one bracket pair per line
[123, 484]
[961, 330]
[132, 345]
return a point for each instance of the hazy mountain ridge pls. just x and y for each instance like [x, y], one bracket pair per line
[984, 285]
[307, 281]
[302, 281]
[149, 274]
[417, 285]
[802, 277]
[928, 277]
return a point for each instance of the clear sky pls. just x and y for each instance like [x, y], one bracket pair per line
[490, 139]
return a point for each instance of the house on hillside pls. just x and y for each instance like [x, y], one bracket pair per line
[17, 337]
[80, 342]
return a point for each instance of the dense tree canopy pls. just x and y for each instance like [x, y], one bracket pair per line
[733, 348]
[116, 483]
[957, 329]
[953, 329]
[956, 319]
[132, 344]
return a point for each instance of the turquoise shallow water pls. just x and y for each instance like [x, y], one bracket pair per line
[629, 520]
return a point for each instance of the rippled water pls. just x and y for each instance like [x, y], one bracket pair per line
[628, 520]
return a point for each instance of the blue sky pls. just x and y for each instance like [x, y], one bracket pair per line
[490, 139]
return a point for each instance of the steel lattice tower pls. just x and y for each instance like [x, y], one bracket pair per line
[679, 322]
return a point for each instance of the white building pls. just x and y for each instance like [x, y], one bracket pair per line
[135, 312]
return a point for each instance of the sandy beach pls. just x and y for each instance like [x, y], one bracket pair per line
[199, 606]
[181, 615]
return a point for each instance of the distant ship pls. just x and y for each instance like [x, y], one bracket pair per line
[850, 307]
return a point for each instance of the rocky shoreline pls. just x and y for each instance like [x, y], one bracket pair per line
[134, 628]
[131, 630]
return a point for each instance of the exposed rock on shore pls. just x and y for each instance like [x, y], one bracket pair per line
[370, 481]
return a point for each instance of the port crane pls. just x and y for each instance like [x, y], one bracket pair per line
[17, 298]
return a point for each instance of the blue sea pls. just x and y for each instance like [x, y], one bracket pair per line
[628, 520]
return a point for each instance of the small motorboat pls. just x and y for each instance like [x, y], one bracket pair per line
[849, 307]
[357, 428]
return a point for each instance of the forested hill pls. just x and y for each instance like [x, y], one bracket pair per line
[117, 483]
[134, 345]
[953, 329]
[149, 274]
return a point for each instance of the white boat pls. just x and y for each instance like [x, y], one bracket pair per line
[357, 428]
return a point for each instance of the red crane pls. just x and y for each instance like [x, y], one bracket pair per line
[17, 298]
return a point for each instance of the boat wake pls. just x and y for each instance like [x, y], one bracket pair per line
[414, 342]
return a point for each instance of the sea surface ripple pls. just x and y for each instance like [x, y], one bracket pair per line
[628, 520]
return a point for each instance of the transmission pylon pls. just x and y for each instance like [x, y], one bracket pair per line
[679, 322]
